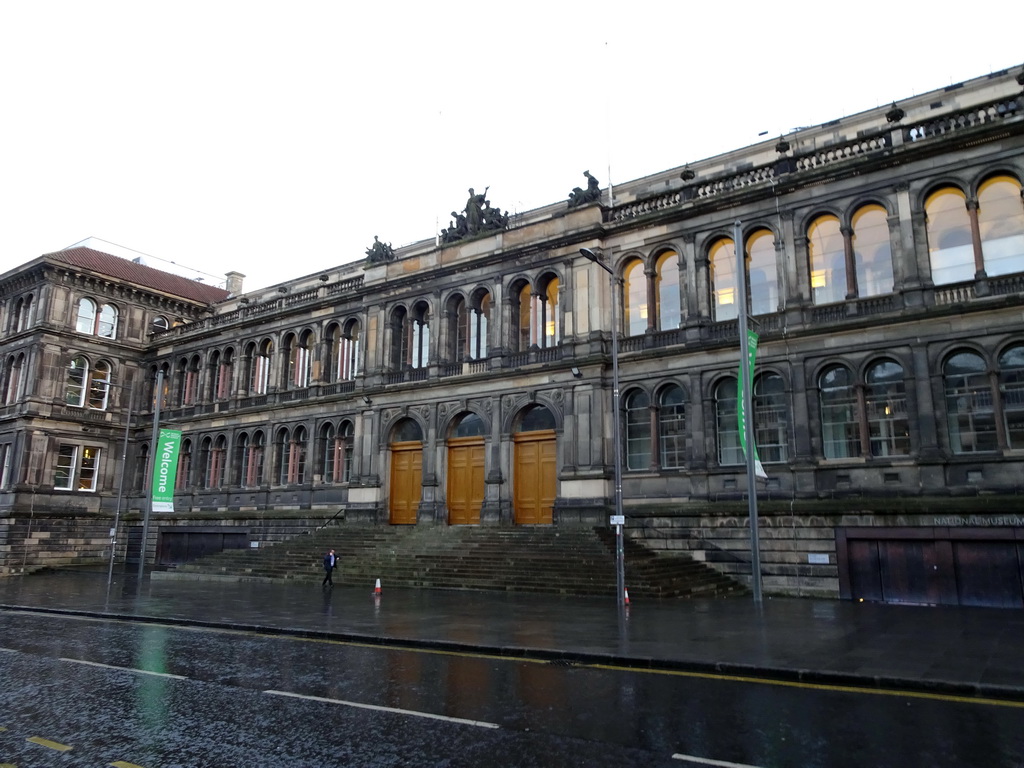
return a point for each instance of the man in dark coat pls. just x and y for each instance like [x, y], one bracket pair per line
[330, 563]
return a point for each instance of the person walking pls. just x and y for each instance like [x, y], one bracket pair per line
[330, 563]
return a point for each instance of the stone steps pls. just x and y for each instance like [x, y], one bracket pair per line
[574, 561]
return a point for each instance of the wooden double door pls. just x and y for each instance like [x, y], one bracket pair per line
[535, 477]
[465, 480]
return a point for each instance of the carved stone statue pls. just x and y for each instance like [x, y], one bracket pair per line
[379, 252]
[477, 217]
[591, 194]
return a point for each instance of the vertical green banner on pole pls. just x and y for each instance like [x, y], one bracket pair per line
[741, 408]
[165, 467]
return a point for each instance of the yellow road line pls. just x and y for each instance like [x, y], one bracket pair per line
[819, 686]
[123, 764]
[51, 744]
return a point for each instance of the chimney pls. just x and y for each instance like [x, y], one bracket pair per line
[234, 283]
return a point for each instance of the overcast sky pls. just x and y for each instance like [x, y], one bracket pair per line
[277, 139]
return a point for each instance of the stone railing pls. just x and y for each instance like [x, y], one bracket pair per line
[954, 294]
[958, 121]
[643, 207]
[843, 152]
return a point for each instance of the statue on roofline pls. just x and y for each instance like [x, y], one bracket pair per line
[379, 252]
[591, 194]
[476, 218]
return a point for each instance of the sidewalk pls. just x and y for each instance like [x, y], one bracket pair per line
[966, 651]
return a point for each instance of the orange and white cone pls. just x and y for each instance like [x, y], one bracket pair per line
[625, 593]
[376, 589]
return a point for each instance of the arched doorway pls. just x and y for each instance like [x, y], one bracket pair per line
[534, 464]
[466, 471]
[406, 484]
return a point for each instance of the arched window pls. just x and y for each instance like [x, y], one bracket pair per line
[184, 472]
[763, 279]
[470, 425]
[638, 430]
[1001, 224]
[22, 319]
[141, 477]
[872, 251]
[213, 466]
[86, 322]
[827, 253]
[479, 322]
[251, 456]
[727, 428]
[419, 352]
[96, 323]
[722, 261]
[969, 411]
[335, 449]
[458, 330]
[345, 450]
[290, 456]
[672, 427]
[258, 361]
[159, 324]
[522, 319]
[14, 378]
[886, 405]
[950, 248]
[164, 391]
[99, 386]
[547, 314]
[771, 418]
[634, 298]
[300, 359]
[343, 352]
[205, 462]
[840, 433]
[667, 291]
[1011, 386]
[75, 385]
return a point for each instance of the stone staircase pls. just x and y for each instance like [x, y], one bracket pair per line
[574, 561]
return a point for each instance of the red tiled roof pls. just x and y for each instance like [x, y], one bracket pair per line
[138, 274]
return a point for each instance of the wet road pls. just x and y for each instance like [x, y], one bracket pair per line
[123, 694]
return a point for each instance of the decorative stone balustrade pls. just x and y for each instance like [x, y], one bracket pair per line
[958, 121]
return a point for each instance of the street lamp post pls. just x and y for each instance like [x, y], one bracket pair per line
[120, 484]
[618, 519]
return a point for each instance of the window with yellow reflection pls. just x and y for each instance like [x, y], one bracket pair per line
[949, 237]
[722, 259]
[1001, 222]
[634, 298]
[828, 260]
[872, 251]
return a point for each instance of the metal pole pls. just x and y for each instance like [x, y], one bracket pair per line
[148, 505]
[120, 484]
[620, 565]
[748, 421]
[619, 519]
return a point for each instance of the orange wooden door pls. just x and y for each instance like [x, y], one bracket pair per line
[406, 481]
[535, 477]
[465, 480]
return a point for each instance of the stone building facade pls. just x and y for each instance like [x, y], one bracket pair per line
[467, 380]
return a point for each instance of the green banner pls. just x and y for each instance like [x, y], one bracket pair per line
[165, 467]
[741, 407]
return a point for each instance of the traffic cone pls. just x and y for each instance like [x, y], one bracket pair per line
[626, 594]
[376, 589]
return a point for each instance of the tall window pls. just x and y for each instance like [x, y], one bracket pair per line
[672, 427]
[6, 463]
[727, 428]
[667, 291]
[22, 319]
[886, 405]
[250, 453]
[479, 321]
[1001, 224]
[522, 320]
[258, 362]
[184, 473]
[949, 237]
[212, 461]
[828, 260]
[872, 251]
[763, 279]
[77, 468]
[300, 360]
[771, 418]
[1011, 385]
[188, 380]
[840, 434]
[634, 298]
[638, 430]
[221, 370]
[458, 329]
[969, 411]
[76, 384]
[290, 456]
[724, 284]
[336, 452]
[14, 378]
[343, 352]
[547, 314]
